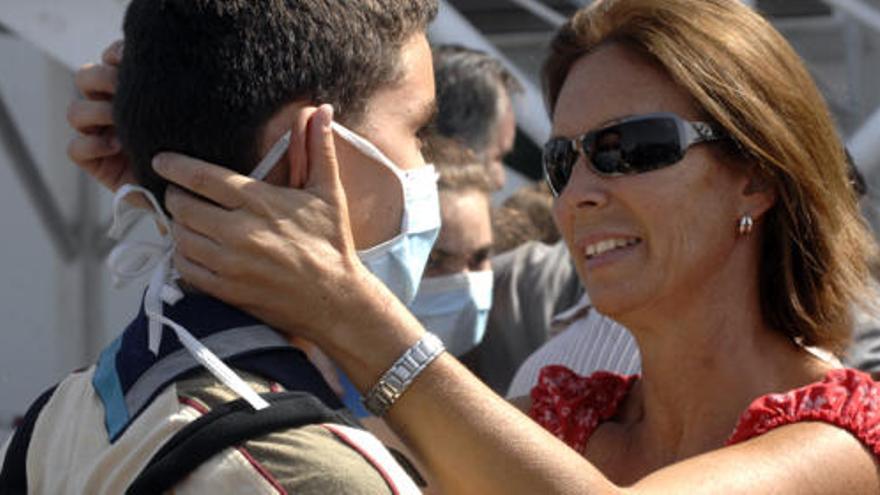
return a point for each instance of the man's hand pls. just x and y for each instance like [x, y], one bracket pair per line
[96, 148]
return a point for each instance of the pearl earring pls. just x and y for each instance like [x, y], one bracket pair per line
[746, 224]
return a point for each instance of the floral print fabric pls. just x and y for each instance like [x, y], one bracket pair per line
[572, 406]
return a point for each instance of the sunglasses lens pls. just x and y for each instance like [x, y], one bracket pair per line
[634, 147]
[559, 157]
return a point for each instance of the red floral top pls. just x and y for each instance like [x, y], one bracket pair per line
[572, 406]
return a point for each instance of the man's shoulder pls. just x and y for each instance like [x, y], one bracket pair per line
[308, 459]
[313, 458]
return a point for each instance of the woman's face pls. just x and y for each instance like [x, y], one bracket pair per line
[676, 226]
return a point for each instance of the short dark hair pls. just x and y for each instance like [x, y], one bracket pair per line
[202, 77]
[469, 84]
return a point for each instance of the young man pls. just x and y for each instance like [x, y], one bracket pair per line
[223, 80]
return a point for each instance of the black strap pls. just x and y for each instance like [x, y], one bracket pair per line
[227, 425]
[13, 477]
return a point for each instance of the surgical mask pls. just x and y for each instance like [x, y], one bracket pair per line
[455, 308]
[398, 262]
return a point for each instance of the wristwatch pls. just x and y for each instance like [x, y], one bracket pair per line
[398, 378]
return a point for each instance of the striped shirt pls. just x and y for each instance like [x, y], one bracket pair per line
[589, 342]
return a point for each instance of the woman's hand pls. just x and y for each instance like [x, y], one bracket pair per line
[285, 255]
[95, 148]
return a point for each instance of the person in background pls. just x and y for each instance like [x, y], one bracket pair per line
[455, 294]
[474, 109]
[512, 228]
[534, 280]
[533, 283]
[536, 203]
[474, 106]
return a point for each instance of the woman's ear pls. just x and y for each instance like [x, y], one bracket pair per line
[758, 194]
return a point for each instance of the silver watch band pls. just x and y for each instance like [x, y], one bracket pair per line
[398, 378]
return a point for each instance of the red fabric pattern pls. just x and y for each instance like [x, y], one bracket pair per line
[846, 398]
[572, 406]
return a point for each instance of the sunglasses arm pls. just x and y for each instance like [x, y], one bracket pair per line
[700, 132]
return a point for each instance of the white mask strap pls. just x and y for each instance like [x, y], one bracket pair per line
[133, 259]
[365, 146]
[268, 162]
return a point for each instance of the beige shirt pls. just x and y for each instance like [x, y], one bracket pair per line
[70, 452]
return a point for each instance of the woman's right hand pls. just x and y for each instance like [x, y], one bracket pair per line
[95, 148]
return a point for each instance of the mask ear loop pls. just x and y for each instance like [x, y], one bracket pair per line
[366, 147]
[275, 153]
[411, 181]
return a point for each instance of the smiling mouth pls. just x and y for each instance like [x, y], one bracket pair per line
[608, 245]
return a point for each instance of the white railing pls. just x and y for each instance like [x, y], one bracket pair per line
[542, 11]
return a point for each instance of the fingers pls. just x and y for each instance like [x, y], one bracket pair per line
[199, 216]
[85, 149]
[323, 166]
[219, 283]
[218, 184]
[97, 81]
[200, 277]
[196, 247]
[113, 54]
[88, 116]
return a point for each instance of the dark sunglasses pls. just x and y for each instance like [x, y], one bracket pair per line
[633, 145]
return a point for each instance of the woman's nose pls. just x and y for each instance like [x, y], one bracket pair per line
[585, 188]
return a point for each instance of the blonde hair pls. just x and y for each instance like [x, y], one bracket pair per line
[748, 79]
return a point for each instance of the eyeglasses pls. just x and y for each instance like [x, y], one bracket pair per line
[633, 145]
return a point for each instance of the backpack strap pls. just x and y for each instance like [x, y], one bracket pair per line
[13, 477]
[225, 426]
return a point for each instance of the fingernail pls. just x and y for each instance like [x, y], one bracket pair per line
[326, 115]
[160, 163]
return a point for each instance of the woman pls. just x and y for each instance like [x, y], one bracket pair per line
[703, 196]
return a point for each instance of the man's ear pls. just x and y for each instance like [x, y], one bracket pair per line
[297, 153]
[758, 195]
[292, 168]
